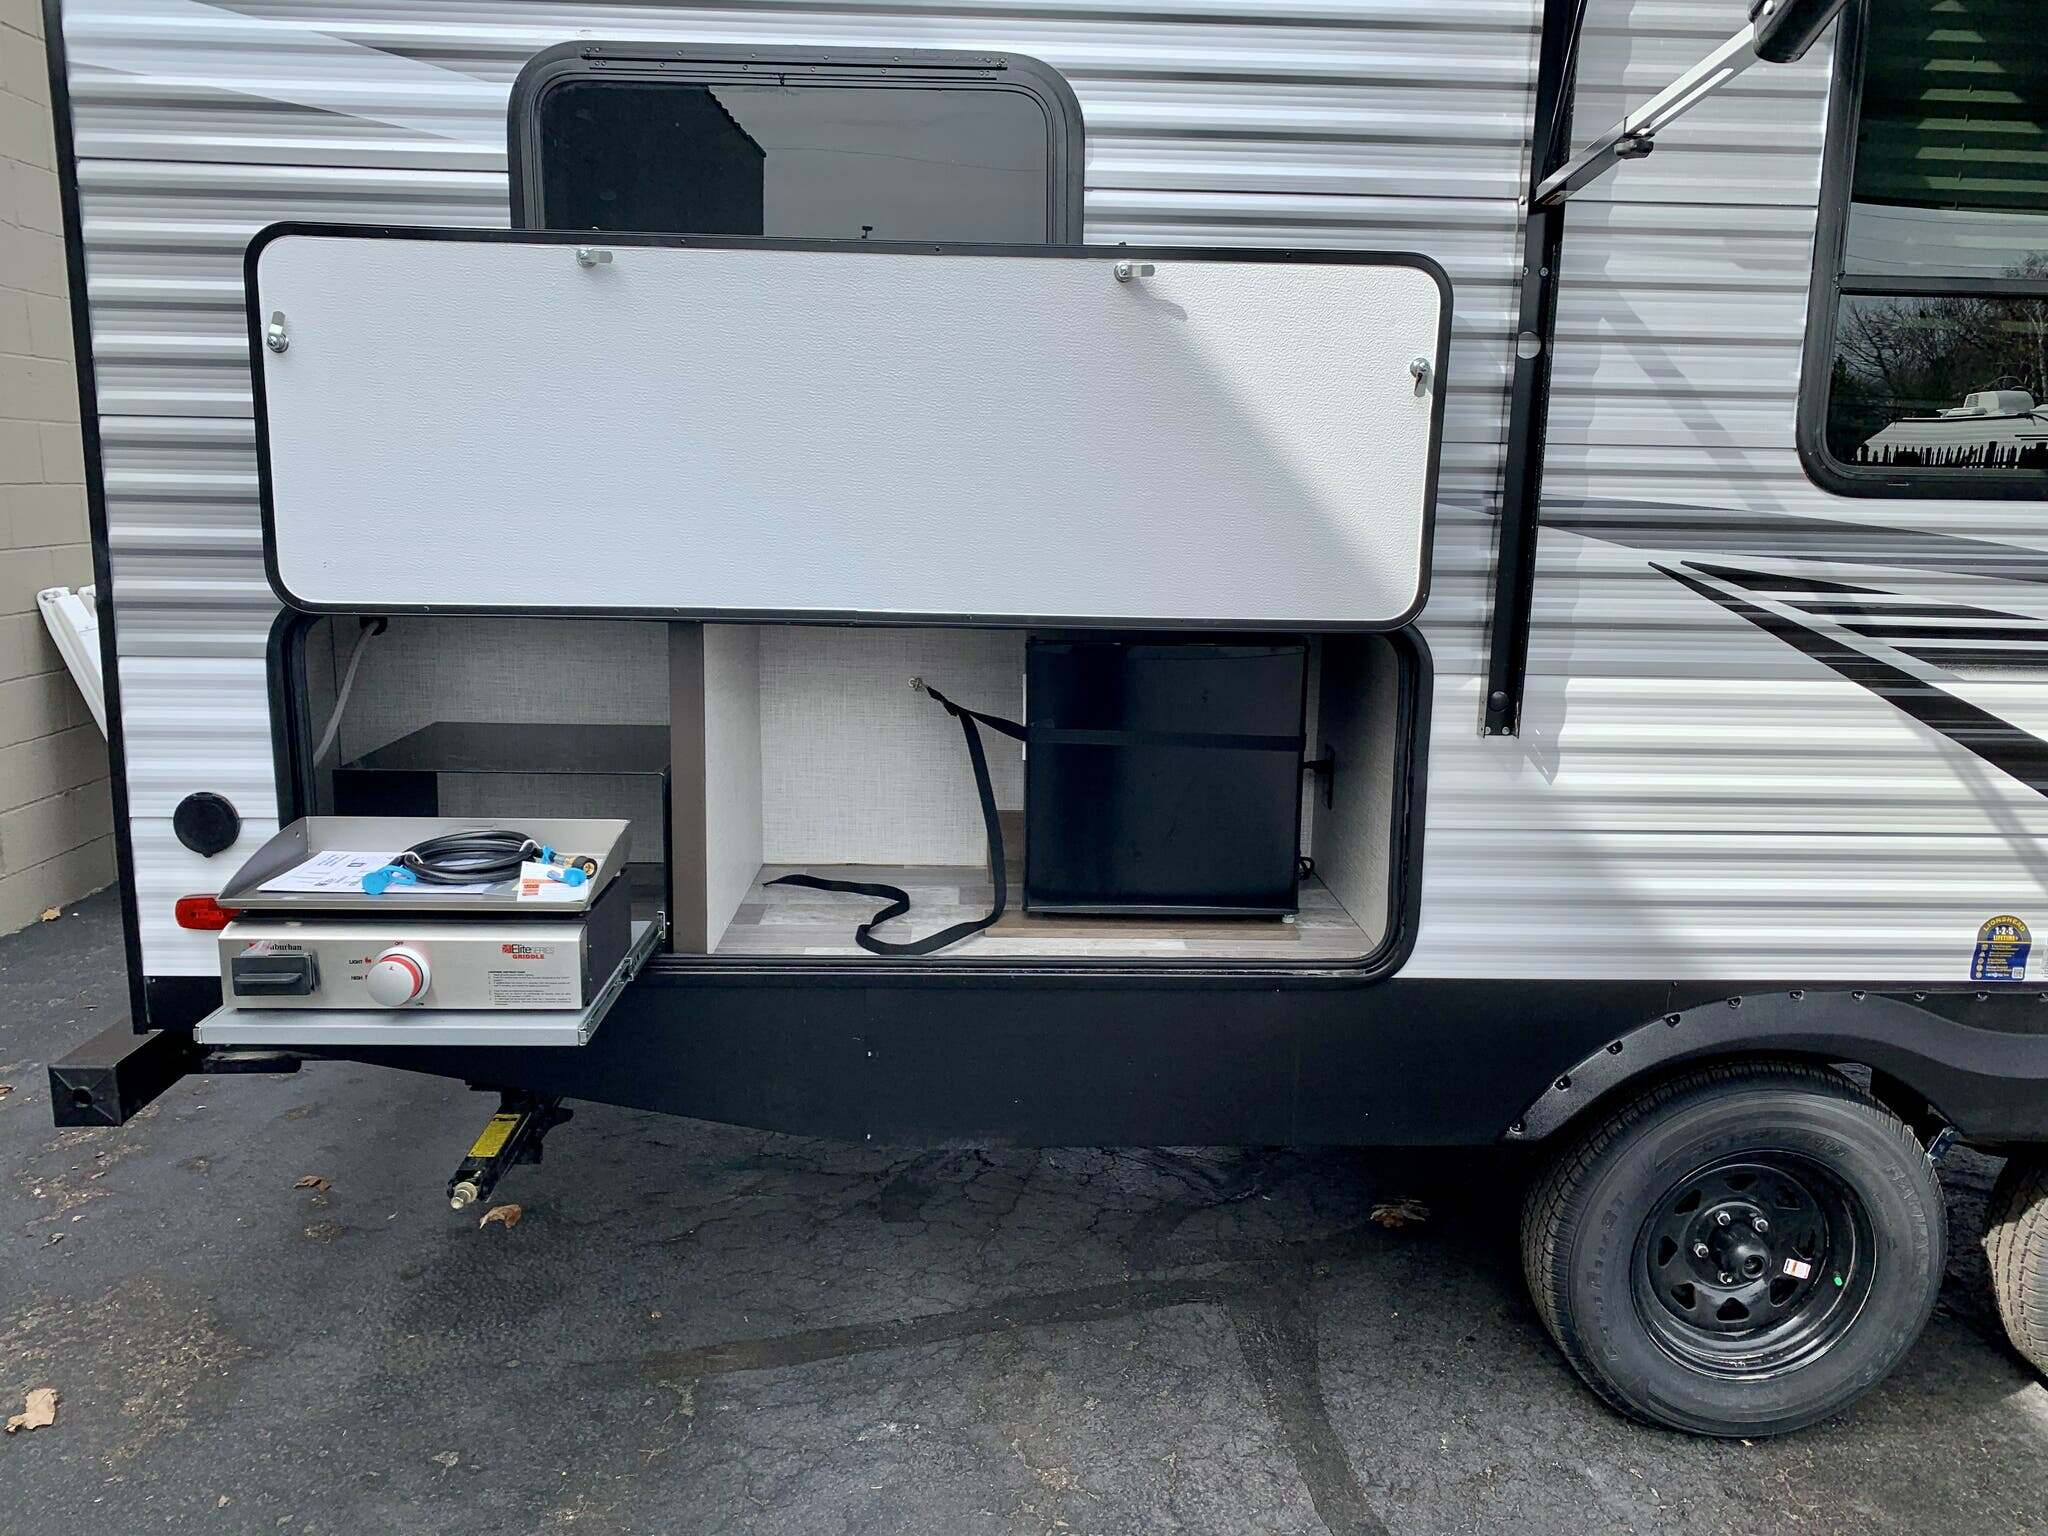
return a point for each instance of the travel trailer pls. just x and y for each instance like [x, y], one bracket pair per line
[1244, 573]
[1990, 425]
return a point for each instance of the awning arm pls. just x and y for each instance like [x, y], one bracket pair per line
[1779, 31]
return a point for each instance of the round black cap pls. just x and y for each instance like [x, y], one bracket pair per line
[206, 823]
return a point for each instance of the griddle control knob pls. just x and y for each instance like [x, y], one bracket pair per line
[398, 976]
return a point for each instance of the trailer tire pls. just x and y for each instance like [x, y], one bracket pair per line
[2016, 1246]
[1741, 1250]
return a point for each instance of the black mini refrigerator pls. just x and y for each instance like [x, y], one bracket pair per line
[1163, 777]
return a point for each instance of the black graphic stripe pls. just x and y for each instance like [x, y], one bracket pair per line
[1997, 741]
[1904, 611]
[2032, 635]
[1957, 658]
[1770, 581]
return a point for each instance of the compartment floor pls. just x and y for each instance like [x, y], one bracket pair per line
[789, 920]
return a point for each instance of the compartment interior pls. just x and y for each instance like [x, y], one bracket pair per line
[742, 753]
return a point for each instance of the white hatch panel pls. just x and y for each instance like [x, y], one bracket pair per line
[758, 430]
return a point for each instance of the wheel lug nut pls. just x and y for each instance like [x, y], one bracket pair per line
[1760, 1224]
[1699, 1250]
[1726, 1278]
[1723, 1219]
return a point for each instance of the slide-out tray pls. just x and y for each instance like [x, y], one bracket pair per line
[229, 1025]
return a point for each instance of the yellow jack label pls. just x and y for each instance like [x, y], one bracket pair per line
[494, 1136]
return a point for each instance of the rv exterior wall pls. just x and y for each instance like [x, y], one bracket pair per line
[56, 823]
[1691, 797]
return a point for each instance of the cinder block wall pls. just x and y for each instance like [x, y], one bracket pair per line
[56, 841]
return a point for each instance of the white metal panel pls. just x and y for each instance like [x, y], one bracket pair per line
[754, 430]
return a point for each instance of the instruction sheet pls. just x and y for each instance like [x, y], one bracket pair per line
[340, 869]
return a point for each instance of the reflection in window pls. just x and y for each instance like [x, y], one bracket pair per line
[1941, 322]
[1951, 382]
[907, 162]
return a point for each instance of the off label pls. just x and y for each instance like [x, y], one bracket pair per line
[2001, 953]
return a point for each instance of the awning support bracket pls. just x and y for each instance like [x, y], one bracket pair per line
[1779, 32]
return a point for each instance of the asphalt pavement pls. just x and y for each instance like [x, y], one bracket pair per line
[698, 1328]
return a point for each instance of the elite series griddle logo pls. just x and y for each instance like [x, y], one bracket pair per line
[522, 952]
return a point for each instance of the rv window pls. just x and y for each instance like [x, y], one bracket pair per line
[1928, 368]
[853, 150]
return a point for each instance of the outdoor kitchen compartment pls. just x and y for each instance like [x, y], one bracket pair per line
[1163, 777]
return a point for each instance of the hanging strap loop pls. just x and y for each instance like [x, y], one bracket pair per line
[971, 720]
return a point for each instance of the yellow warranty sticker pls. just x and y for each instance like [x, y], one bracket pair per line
[494, 1136]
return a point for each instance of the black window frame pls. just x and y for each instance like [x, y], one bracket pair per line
[1832, 284]
[900, 68]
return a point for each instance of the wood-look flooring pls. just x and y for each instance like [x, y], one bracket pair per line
[789, 920]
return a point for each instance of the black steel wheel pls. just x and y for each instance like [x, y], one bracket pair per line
[1742, 1250]
[1754, 1264]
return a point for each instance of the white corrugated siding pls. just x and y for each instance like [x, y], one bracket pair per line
[1360, 123]
[1690, 797]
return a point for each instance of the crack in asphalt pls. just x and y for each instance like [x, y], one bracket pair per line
[1276, 1332]
[1266, 1299]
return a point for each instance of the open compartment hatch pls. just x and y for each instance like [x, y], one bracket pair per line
[526, 422]
[798, 750]
[744, 753]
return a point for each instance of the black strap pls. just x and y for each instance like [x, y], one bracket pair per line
[899, 900]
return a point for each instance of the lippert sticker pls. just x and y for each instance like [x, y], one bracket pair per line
[2001, 953]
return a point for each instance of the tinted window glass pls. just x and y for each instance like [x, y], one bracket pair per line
[1952, 141]
[1947, 382]
[1938, 379]
[833, 161]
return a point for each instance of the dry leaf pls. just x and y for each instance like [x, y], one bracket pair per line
[1400, 1213]
[6, 1089]
[310, 1181]
[51, 914]
[38, 1412]
[450, 1458]
[503, 1215]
